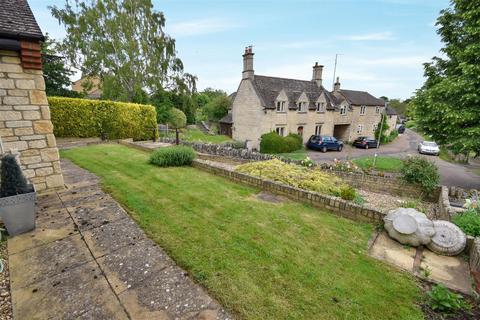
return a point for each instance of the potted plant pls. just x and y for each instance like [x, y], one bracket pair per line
[17, 198]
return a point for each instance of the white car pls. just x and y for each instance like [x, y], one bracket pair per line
[428, 147]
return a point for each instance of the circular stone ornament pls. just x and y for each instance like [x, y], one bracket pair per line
[405, 224]
[448, 240]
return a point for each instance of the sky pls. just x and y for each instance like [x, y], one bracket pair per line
[381, 44]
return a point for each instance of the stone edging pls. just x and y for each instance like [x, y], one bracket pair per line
[336, 205]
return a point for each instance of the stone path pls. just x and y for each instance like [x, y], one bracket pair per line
[87, 259]
[453, 272]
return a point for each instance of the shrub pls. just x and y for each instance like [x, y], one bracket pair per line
[298, 138]
[172, 156]
[347, 193]
[235, 144]
[443, 300]
[469, 222]
[420, 171]
[274, 143]
[84, 118]
[294, 175]
[13, 181]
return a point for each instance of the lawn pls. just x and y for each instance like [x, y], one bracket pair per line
[260, 260]
[295, 155]
[198, 135]
[383, 163]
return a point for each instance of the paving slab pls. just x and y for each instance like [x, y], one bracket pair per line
[31, 266]
[133, 264]
[453, 272]
[389, 250]
[68, 295]
[113, 236]
[98, 214]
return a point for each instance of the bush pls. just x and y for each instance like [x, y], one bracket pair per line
[172, 156]
[421, 171]
[294, 175]
[85, 118]
[274, 143]
[443, 300]
[469, 222]
[348, 193]
[13, 181]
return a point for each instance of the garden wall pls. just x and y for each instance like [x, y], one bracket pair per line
[337, 206]
[475, 263]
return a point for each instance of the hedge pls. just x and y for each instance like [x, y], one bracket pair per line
[274, 143]
[85, 118]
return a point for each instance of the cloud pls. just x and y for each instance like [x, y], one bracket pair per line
[201, 26]
[408, 61]
[376, 36]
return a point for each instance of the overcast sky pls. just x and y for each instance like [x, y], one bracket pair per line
[382, 43]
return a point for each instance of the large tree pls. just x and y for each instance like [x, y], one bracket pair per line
[447, 107]
[125, 41]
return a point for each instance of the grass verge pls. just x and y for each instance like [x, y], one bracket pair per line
[383, 163]
[260, 260]
[295, 155]
[198, 136]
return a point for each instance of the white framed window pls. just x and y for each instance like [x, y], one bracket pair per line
[320, 106]
[318, 129]
[302, 106]
[343, 110]
[281, 106]
[362, 110]
[360, 128]
[377, 109]
[280, 131]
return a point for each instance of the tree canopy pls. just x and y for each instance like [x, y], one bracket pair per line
[177, 119]
[125, 40]
[447, 105]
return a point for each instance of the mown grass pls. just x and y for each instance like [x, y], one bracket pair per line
[383, 163]
[260, 260]
[197, 135]
[295, 155]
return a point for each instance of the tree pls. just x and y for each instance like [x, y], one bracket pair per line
[177, 120]
[399, 106]
[124, 39]
[383, 126]
[56, 74]
[447, 105]
[217, 108]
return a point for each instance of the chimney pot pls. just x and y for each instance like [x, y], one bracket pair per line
[317, 74]
[248, 72]
[336, 86]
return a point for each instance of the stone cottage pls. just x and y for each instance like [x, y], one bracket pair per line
[264, 104]
[25, 125]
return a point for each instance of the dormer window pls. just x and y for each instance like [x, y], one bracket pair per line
[302, 106]
[320, 106]
[281, 106]
[343, 110]
[362, 110]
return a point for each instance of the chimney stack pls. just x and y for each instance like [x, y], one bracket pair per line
[248, 63]
[336, 86]
[317, 74]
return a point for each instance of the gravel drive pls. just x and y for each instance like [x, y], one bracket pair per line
[5, 298]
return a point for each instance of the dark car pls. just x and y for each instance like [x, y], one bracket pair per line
[365, 142]
[324, 143]
[401, 128]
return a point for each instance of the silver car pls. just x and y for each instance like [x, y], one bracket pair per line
[428, 147]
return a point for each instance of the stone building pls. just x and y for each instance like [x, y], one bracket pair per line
[88, 85]
[264, 104]
[25, 125]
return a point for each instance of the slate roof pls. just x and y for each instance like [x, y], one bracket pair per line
[17, 21]
[227, 118]
[390, 111]
[361, 98]
[268, 88]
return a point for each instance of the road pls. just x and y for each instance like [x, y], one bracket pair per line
[451, 174]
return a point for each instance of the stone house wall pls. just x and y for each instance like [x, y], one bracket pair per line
[369, 120]
[25, 124]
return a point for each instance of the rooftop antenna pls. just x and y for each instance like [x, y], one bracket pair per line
[335, 68]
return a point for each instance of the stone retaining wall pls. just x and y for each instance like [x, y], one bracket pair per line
[446, 212]
[337, 206]
[475, 263]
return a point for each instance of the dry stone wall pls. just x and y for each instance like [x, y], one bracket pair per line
[25, 124]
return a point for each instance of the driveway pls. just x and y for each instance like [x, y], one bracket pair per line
[451, 174]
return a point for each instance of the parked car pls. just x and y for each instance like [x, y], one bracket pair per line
[428, 147]
[324, 143]
[401, 128]
[365, 142]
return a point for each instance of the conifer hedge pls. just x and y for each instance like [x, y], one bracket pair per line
[85, 118]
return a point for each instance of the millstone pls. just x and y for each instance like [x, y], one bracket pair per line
[448, 240]
[409, 226]
[405, 224]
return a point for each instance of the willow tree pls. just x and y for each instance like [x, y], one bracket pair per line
[124, 41]
[447, 107]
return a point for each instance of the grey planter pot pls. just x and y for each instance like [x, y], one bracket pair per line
[18, 212]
